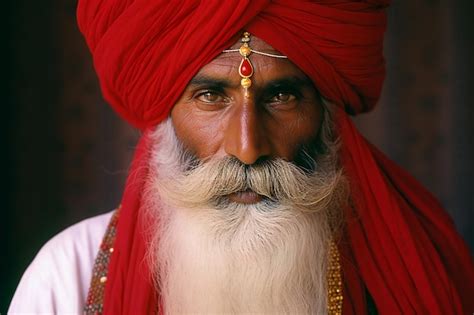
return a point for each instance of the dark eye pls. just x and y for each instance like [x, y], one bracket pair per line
[210, 97]
[282, 97]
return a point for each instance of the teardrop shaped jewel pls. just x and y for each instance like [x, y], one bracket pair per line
[245, 68]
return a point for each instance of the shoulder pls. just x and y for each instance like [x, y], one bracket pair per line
[58, 278]
[78, 238]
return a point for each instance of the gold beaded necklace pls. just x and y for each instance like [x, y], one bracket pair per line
[334, 282]
[95, 297]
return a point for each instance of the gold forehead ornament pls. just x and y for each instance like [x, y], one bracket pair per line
[245, 67]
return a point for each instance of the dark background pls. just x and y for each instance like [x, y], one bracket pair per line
[65, 155]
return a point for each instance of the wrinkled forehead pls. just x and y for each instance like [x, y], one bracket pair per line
[258, 47]
[266, 61]
[255, 43]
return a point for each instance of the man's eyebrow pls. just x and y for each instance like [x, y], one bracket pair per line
[224, 83]
[203, 80]
[292, 82]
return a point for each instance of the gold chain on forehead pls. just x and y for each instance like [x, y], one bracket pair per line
[246, 67]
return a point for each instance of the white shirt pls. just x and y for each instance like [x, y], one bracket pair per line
[58, 279]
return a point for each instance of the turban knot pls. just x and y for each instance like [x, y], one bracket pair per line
[146, 51]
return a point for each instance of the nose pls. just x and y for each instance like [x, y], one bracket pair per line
[245, 135]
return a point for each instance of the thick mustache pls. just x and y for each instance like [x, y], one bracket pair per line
[210, 182]
[229, 175]
[306, 183]
[183, 180]
[248, 178]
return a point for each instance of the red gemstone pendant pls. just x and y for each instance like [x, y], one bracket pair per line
[245, 68]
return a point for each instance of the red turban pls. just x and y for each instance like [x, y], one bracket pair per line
[140, 47]
[399, 245]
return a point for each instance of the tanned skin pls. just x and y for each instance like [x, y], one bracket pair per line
[280, 113]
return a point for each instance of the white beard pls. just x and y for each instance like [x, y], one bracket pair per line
[256, 258]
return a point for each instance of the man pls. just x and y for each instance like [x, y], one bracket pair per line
[250, 191]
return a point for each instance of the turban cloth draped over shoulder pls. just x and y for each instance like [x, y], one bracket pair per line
[399, 244]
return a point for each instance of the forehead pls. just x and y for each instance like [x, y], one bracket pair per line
[227, 63]
[257, 44]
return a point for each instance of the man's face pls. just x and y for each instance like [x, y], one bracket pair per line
[279, 115]
[245, 177]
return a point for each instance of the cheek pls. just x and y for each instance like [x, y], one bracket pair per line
[204, 132]
[199, 132]
[295, 129]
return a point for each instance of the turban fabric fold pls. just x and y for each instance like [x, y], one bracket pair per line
[399, 243]
[146, 51]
